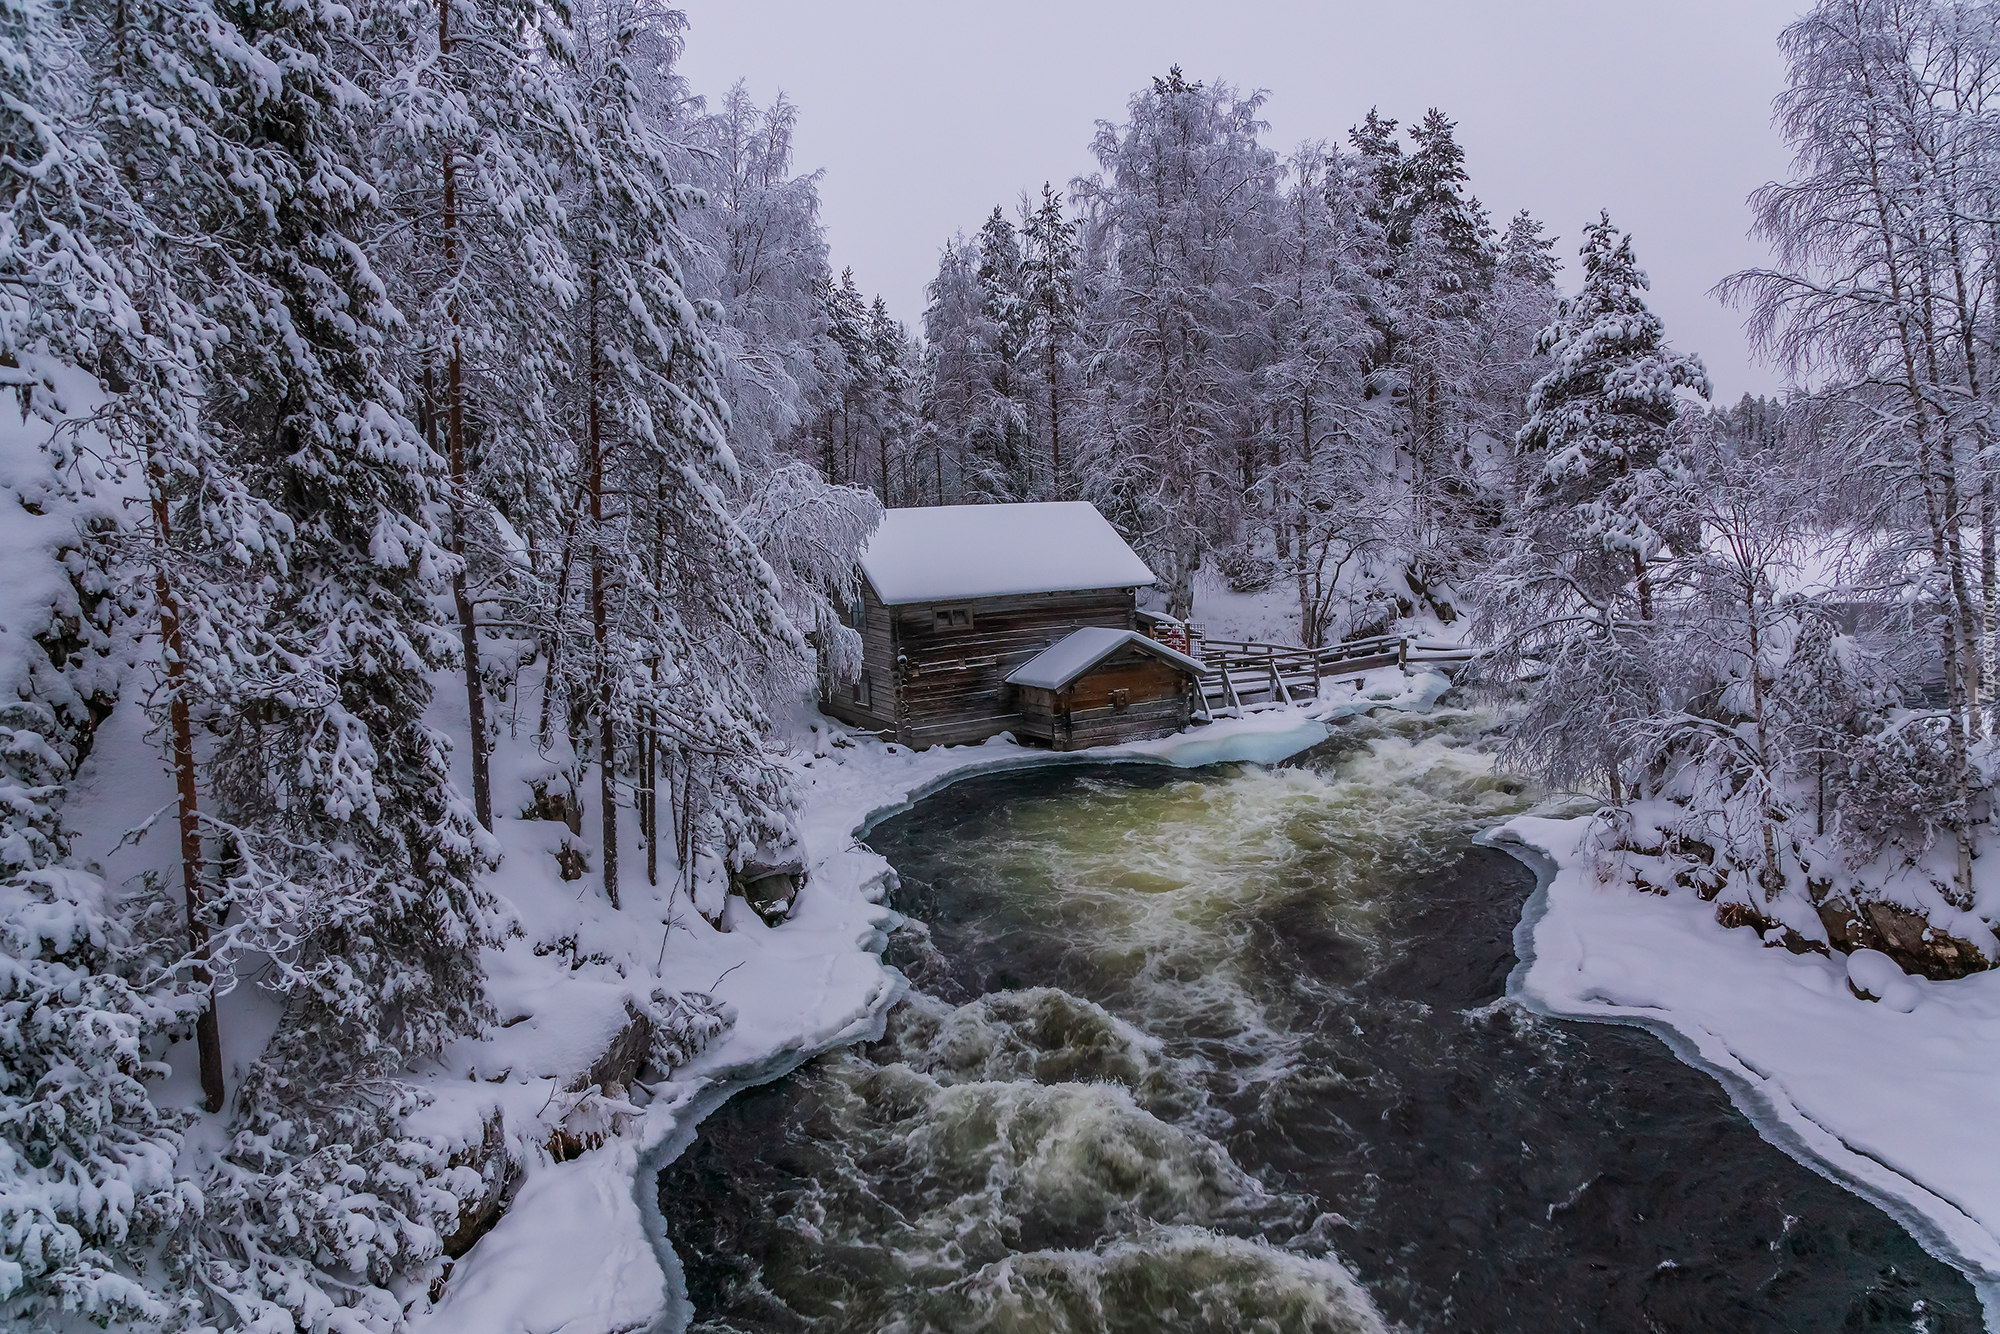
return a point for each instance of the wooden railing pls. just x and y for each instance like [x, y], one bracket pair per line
[1237, 672]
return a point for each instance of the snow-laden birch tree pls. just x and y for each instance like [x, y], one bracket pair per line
[1886, 253]
[1172, 215]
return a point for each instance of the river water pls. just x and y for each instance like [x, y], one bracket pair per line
[1228, 1050]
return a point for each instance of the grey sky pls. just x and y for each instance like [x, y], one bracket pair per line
[925, 115]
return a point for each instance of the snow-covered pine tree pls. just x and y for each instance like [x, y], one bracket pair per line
[1048, 286]
[1573, 591]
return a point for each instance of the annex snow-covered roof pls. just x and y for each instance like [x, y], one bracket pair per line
[948, 552]
[1080, 650]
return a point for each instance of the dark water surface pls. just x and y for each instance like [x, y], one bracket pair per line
[1188, 1050]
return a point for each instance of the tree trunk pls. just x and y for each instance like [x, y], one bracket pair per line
[1055, 421]
[1772, 877]
[600, 625]
[468, 630]
[652, 711]
[207, 1032]
[1987, 594]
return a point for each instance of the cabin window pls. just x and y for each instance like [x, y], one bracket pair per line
[1121, 700]
[863, 697]
[954, 618]
[857, 613]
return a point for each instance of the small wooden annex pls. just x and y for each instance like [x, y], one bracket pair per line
[1099, 687]
[956, 598]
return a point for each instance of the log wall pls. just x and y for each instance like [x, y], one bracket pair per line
[934, 684]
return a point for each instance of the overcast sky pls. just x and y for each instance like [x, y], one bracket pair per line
[926, 114]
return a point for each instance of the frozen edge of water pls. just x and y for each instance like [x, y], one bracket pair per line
[1780, 1121]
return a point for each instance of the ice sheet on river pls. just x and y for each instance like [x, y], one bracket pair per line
[1899, 1104]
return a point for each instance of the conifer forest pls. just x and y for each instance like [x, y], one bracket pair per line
[457, 747]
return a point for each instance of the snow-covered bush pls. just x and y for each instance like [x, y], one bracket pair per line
[1247, 569]
[684, 1023]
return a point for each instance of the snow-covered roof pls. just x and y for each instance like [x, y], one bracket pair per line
[948, 552]
[1080, 650]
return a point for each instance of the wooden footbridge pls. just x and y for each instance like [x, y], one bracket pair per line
[1238, 675]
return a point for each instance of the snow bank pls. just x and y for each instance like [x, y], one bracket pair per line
[1894, 1100]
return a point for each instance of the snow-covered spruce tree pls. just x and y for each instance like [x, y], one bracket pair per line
[1004, 312]
[1328, 502]
[1831, 704]
[976, 387]
[955, 388]
[759, 253]
[1442, 263]
[225, 137]
[1517, 307]
[86, 1159]
[1721, 643]
[171, 81]
[1571, 590]
[348, 858]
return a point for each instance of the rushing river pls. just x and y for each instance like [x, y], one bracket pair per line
[1228, 1051]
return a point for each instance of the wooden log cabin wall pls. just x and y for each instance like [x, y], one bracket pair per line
[955, 598]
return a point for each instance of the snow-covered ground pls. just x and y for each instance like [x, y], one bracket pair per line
[1895, 1099]
[1270, 615]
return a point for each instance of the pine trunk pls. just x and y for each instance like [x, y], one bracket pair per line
[468, 630]
[1055, 424]
[207, 1031]
[600, 626]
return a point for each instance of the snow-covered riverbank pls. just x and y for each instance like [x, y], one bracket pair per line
[1893, 1099]
[579, 1248]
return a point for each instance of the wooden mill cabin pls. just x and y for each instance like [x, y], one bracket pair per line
[955, 599]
